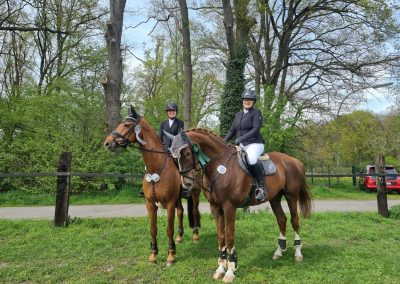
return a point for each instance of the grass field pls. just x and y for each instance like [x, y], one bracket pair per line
[337, 248]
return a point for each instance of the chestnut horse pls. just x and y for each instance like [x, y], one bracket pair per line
[161, 183]
[229, 187]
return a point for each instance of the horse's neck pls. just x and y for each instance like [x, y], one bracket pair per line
[152, 152]
[212, 148]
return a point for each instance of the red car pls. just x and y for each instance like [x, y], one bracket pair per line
[368, 183]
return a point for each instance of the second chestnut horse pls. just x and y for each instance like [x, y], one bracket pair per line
[228, 187]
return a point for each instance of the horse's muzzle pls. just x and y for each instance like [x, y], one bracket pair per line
[110, 145]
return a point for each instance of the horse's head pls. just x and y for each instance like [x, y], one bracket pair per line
[182, 151]
[126, 133]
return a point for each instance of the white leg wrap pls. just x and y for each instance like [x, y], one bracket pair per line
[221, 268]
[278, 251]
[229, 276]
[297, 248]
[297, 251]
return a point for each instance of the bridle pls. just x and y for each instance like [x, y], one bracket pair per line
[124, 142]
[202, 159]
[192, 168]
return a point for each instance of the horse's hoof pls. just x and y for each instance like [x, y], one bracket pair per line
[276, 257]
[228, 278]
[178, 239]
[298, 258]
[152, 258]
[170, 263]
[196, 238]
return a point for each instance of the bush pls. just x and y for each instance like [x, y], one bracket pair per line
[394, 212]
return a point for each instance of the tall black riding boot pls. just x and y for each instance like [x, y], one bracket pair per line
[258, 173]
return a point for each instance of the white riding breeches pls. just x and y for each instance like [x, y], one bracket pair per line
[253, 151]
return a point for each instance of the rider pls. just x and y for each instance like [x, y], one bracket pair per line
[173, 126]
[246, 128]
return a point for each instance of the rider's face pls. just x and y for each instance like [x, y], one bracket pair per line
[247, 104]
[171, 114]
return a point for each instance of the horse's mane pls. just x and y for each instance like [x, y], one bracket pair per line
[207, 132]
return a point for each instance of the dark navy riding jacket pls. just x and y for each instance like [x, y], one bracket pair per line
[246, 127]
[176, 126]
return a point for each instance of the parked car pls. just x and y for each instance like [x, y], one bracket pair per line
[368, 183]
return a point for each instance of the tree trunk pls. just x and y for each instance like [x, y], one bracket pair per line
[113, 80]
[238, 53]
[187, 90]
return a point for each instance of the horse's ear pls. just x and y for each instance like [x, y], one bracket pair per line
[132, 113]
[184, 136]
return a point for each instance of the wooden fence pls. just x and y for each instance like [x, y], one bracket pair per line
[64, 175]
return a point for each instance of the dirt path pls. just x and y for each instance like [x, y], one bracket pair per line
[137, 210]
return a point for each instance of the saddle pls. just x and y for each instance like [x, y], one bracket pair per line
[269, 169]
[268, 165]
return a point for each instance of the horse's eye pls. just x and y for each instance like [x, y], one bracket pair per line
[126, 124]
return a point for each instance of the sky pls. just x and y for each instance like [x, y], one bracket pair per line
[137, 39]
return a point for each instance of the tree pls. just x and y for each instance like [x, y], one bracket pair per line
[112, 82]
[237, 26]
[187, 61]
[304, 53]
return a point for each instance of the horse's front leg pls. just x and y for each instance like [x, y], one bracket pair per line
[179, 213]
[152, 211]
[170, 233]
[220, 222]
[230, 217]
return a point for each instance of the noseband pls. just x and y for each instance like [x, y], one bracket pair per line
[124, 142]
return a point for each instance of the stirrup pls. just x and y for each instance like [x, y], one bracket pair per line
[261, 194]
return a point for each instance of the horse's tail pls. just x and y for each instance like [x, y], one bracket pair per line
[305, 196]
[190, 211]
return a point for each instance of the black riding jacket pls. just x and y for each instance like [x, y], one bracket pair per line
[176, 126]
[246, 127]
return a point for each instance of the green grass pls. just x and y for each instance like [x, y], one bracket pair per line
[337, 248]
[127, 194]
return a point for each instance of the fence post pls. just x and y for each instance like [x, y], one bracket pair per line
[353, 172]
[63, 187]
[381, 194]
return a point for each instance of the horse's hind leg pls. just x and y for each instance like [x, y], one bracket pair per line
[281, 220]
[179, 213]
[196, 213]
[294, 218]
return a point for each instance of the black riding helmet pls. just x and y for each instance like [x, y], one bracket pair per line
[249, 94]
[171, 106]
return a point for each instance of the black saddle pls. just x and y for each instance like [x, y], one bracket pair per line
[269, 169]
